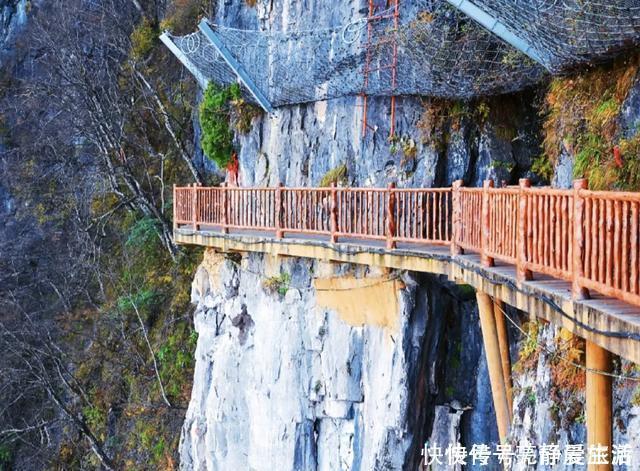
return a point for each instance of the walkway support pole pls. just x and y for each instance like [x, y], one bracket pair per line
[524, 232]
[599, 401]
[391, 216]
[486, 229]
[505, 357]
[456, 218]
[494, 363]
[579, 292]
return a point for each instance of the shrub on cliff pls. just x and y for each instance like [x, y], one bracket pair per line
[223, 110]
[215, 115]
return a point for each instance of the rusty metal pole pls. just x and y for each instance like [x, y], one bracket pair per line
[522, 272]
[456, 218]
[225, 209]
[391, 221]
[494, 363]
[599, 401]
[334, 213]
[579, 292]
[278, 210]
[194, 207]
[487, 261]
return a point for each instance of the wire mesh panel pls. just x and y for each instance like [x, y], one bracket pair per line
[570, 32]
[440, 52]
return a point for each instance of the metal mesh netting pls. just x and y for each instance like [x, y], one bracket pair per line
[440, 51]
[570, 32]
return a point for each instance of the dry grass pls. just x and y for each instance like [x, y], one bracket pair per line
[338, 175]
[581, 114]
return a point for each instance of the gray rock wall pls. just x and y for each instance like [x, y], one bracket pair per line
[282, 383]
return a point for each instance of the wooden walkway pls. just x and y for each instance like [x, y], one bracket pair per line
[569, 256]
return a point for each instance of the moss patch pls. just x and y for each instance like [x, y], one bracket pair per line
[338, 175]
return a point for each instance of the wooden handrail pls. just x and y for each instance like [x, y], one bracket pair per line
[589, 238]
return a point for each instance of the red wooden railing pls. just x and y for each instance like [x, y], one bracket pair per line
[590, 238]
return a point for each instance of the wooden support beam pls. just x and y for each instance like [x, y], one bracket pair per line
[599, 401]
[494, 363]
[505, 357]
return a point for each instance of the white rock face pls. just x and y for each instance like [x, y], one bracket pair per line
[281, 384]
[545, 413]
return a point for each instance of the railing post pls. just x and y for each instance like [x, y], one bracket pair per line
[522, 272]
[456, 218]
[225, 208]
[278, 210]
[175, 207]
[334, 213]
[391, 220]
[579, 292]
[487, 261]
[194, 207]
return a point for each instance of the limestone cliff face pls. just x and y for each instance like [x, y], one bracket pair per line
[287, 378]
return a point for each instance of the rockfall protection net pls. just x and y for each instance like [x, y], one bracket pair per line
[440, 51]
[568, 33]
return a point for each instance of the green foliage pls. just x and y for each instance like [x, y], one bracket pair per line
[277, 284]
[529, 350]
[243, 115]
[5, 458]
[142, 232]
[143, 39]
[95, 418]
[466, 292]
[542, 167]
[215, 117]
[338, 175]
[635, 399]
[174, 357]
[141, 300]
[530, 394]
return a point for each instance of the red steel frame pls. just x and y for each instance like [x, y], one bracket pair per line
[369, 45]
